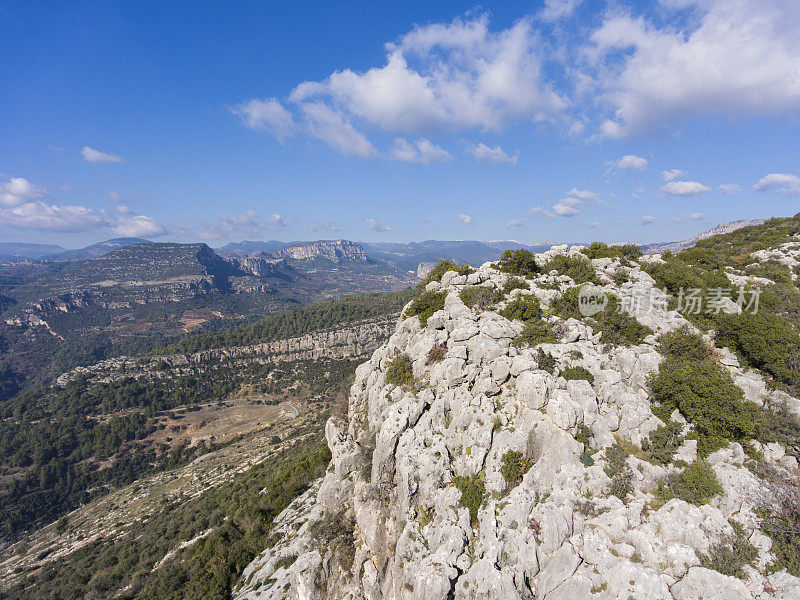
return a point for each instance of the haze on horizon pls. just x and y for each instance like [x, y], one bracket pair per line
[561, 120]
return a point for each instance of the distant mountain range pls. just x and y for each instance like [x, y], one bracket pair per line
[406, 256]
[719, 229]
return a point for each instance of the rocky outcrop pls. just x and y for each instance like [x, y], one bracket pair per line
[259, 265]
[415, 504]
[349, 342]
[336, 251]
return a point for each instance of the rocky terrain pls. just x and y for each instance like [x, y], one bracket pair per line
[340, 343]
[488, 474]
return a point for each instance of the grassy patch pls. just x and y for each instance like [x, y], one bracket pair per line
[514, 466]
[731, 554]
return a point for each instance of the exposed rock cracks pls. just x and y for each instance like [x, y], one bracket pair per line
[389, 522]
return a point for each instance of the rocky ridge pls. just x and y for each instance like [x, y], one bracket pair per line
[387, 521]
[341, 343]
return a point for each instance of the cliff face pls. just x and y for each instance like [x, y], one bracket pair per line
[349, 342]
[417, 504]
[336, 251]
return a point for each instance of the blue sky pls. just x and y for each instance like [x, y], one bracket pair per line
[567, 120]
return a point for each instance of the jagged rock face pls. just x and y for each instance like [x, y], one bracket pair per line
[386, 522]
[259, 265]
[335, 250]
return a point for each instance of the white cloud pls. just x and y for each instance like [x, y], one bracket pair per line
[332, 128]
[515, 224]
[125, 210]
[275, 220]
[484, 153]
[631, 161]
[18, 190]
[779, 182]
[571, 205]
[593, 225]
[375, 225]
[727, 57]
[672, 174]
[684, 188]
[138, 226]
[557, 9]
[266, 115]
[438, 77]
[647, 219]
[582, 195]
[696, 216]
[567, 207]
[540, 212]
[464, 219]
[50, 217]
[729, 188]
[114, 195]
[95, 156]
[423, 152]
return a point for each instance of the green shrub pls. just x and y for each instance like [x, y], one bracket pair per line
[62, 525]
[619, 472]
[480, 296]
[601, 250]
[545, 361]
[780, 518]
[577, 373]
[473, 491]
[731, 554]
[777, 423]
[766, 341]
[617, 326]
[400, 371]
[514, 467]
[566, 304]
[584, 437]
[523, 308]
[576, 267]
[706, 395]
[436, 273]
[518, 262]
[662, 443]
[696, 484]
[515, 283]
[535, 333]
[335, 533]
[683, 343]
[424, 305]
